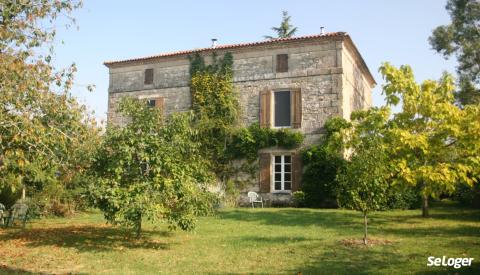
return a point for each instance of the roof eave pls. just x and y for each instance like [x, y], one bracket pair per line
[110, 64]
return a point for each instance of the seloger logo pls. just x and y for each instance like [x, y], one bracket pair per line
[444, 261]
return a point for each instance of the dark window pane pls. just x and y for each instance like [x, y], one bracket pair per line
[282, 109]
[148, 76]
[278, 176]
[278, 168]
[288, 168]
[278, 159]
[278, 186]
[151, 103]
[288, 186]
[288, 177]
[288, 159]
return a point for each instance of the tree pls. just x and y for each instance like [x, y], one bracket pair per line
[150, 170]
[362, 183]
[462, 39]
[45, 133]
[285, 29]
[433, 144]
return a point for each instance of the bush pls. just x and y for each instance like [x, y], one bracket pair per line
[467, 195]
[8, 196]
[403, 198]
[298, 198]
[318, 180]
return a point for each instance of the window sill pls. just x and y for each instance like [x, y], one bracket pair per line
[282, 192]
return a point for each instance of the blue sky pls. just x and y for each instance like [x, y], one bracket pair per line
[394, 31]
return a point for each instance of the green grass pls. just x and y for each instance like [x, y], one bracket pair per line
[274, 241]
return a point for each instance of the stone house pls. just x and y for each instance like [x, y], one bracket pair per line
[293, 83]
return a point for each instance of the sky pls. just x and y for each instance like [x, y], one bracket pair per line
[393, 31]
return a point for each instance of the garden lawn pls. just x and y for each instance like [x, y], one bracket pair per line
[270, 240]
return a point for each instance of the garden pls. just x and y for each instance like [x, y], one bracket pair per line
[392, 189]
[242, 240]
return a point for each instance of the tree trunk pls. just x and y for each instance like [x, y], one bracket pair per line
[425, 206]
[365, 227]
[139, 226]
[23, 193]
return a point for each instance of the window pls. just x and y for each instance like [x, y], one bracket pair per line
[282, 63]
[282, 109]
[151, 103]
[148, 76]
[157, 102]
[282, 173]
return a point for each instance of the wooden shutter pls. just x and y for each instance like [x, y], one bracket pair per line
[265, 108]
[148, 76]
[159, 102]
[264, 163]
[282, 63]
[297, 171]
[297, 108]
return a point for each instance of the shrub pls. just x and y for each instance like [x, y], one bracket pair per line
[403, 198]
[318, 180]
[231, 193]
[8, 196]
[467, 195]
[298, 198]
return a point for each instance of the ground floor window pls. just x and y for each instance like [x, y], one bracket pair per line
[282, 173]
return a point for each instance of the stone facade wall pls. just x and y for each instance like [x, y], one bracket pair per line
[357, 90]
[328, 74]
[312, 67]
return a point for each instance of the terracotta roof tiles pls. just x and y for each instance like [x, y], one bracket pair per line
[342, 35]
[228, 46]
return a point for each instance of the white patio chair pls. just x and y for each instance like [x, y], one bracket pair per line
[254, 198]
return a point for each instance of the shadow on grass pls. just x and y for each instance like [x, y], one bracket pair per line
[440, 213]
[436, 231]
[275, 240]
[294, 217]
[376, 260]
[4, 269]
[348, 260]
[86, 238]
[368, 261]
[379, 223]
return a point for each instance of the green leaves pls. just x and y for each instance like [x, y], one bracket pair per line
[432, 143]
[246, 142]
[462, 39]
[46, 136]
[285, 29]
[149, 170]
[363, 180]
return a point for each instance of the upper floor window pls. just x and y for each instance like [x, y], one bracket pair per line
[282, 109]
[282, 63]
[148, 76]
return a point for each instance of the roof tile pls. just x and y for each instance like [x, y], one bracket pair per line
[227, 46]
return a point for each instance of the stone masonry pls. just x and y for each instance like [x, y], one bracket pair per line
[333, 78]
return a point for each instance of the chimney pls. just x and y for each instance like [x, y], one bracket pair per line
[322, 30]
[214, 42]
